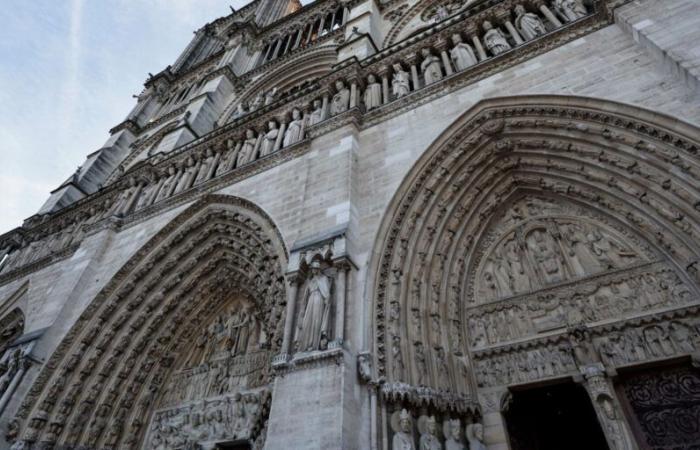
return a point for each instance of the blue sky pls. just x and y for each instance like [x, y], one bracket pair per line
[68, 71]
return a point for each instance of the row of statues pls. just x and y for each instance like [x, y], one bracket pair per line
[617, 296]
[432, 436]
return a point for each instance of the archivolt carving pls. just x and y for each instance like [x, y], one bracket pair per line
[625, 181]
[128, 348]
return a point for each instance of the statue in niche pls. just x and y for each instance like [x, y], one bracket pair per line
[475, 436]
[270, 138]
[373, 93]
[270, 96]
[582, 347]
[528, 24]
[543, 251]
[402, 424]
[570, 10]
[247, 151]
[341, 99]
[316, 115]
[453, 432]
[432, 71]
[421, 363]
[397, 359]
[520, 279]
[462, 53]
[295, 129]
[399, 82]
[314, 326]
[240, 111]
[501, 272]
[205, 166]
[495, 40]
[257, 102]
[428, 434]
[188, 175]
[169, 183]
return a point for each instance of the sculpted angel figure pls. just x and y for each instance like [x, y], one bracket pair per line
[495, 40]
[399, 82]
[432, 71]
[315, 320]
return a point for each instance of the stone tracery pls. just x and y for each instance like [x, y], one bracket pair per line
[147, 320]
[551, 176]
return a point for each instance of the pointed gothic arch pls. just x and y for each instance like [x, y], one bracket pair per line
[538, 175]
[101, 385]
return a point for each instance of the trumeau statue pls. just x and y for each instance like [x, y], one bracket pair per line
[341, 99]
[428, 438]
[373, 93]
[314, 325]
[295, 129]
[453, 434]
[528, 24]
[462, 54]
[475, 436]
[432, 71]
[402, 425]
[316, 115]
[399, 82]
[570, 9]
[495, 40]
[270, 138]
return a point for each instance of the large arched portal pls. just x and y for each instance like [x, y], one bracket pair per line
[541, 242]
[175, 351]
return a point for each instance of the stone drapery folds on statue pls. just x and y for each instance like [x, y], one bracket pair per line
[314, 324]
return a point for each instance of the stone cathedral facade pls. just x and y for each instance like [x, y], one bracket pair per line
[382, 225]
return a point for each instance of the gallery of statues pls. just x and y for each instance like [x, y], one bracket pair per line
[381, 225]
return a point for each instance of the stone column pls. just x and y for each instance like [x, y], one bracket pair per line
[607, 407]
[280, 136]
[293, 281]
[324, 106]
[353, 93]
[495, 431]
[473, 34]
[412, 60]
[298, 39]
[277, 48]
[384, 75]
[341, 284]
[442, 48]
[547, 12]
[503, 17]
[16, 380]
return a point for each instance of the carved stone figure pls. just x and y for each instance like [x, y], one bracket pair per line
[428, 437]
[543, 250]
[257, 102]
[9, 369]
[494, 40]
[364, 367]
[373, 93]
[570, 10]
[240, 111]
[268, 143]
[402, 424]
[462, 53]
[341, 99]
[270, 96]
[529, 25]
[431, 68]
[314, 325]
[475, 436]
[295, 129]
[205, 166]
[247, 152]
[316, 115]
[399, 82]
[453, 433]
[397, 359]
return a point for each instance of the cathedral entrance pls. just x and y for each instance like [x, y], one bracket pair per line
[552, 418]
[663, 407]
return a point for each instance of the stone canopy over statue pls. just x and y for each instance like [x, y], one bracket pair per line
[313, 329]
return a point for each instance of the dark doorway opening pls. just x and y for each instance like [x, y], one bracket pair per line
[234, 445]
[553, 418]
